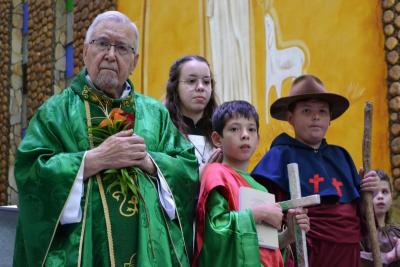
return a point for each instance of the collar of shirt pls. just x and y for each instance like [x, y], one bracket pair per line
[125, 93]
[195, 129]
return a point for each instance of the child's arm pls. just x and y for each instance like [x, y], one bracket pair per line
[392, 255]
[229, 235]
[295, 216]
[225, 222]
[268, 213]
[387, 257]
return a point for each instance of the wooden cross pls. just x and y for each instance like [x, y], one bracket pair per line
[300, 235]
[300, 202]
[268, 235]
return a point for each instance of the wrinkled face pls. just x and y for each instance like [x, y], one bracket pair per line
[382, 199]
[239, 141]
[107, 69]
[194, 88]
[310, 120]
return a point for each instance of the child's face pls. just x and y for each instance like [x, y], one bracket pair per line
[194, 88]
[310, 120]
[382, 199]
[239, 140]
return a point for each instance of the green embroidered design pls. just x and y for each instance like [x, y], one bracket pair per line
[130, 263]
[99, 98]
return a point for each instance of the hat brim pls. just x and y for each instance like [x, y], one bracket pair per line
[337, 104]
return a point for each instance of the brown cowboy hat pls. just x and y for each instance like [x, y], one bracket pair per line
[308, 87]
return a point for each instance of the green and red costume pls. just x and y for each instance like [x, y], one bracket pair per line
[225, 235]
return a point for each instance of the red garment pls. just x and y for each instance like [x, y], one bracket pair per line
[333, 254]
[334, 236]
[338, 223]
[335, 232]
[228, 182]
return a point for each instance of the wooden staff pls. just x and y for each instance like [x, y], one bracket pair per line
[366, 197]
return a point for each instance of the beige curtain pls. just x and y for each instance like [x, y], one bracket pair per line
[230, 48]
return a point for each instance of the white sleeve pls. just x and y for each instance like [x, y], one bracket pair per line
[164, 193]
[72, 212]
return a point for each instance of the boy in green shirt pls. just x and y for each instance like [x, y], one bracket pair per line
[226, 236]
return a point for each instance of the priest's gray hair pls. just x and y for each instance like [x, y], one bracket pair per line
[117, 17]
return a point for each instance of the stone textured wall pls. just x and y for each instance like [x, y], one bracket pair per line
[42, 51]
[16, 92]
[5, 59]
[41, 45]
[60, 40]
[84, 14]
[391, 24]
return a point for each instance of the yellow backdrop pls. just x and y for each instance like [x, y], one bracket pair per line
[342, 41]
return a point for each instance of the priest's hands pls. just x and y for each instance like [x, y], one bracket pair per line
[118, 151]
[269, 213]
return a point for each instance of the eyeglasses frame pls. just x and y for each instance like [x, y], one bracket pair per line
[109, 45]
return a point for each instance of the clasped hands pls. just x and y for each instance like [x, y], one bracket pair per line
[120, 150]
[386, 257]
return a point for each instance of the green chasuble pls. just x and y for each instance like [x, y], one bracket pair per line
[116, 229]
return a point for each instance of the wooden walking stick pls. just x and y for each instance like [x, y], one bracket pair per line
[366, 197]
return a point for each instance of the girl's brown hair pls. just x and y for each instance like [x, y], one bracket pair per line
[173, 102]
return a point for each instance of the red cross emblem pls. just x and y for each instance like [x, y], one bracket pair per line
[316, 180]
[337, 184]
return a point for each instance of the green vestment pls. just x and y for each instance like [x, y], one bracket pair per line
[114, 230]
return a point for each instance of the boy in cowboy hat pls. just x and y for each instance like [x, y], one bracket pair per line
[324, 169]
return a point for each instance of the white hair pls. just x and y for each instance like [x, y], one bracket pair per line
[117, 17]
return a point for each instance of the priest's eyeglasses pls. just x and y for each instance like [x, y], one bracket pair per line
[194, 82]
[104, 45]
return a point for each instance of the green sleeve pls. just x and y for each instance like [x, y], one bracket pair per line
[230, 237]
[46, 165]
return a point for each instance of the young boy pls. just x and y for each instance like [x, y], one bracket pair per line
[226, 236]
[328, 170]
